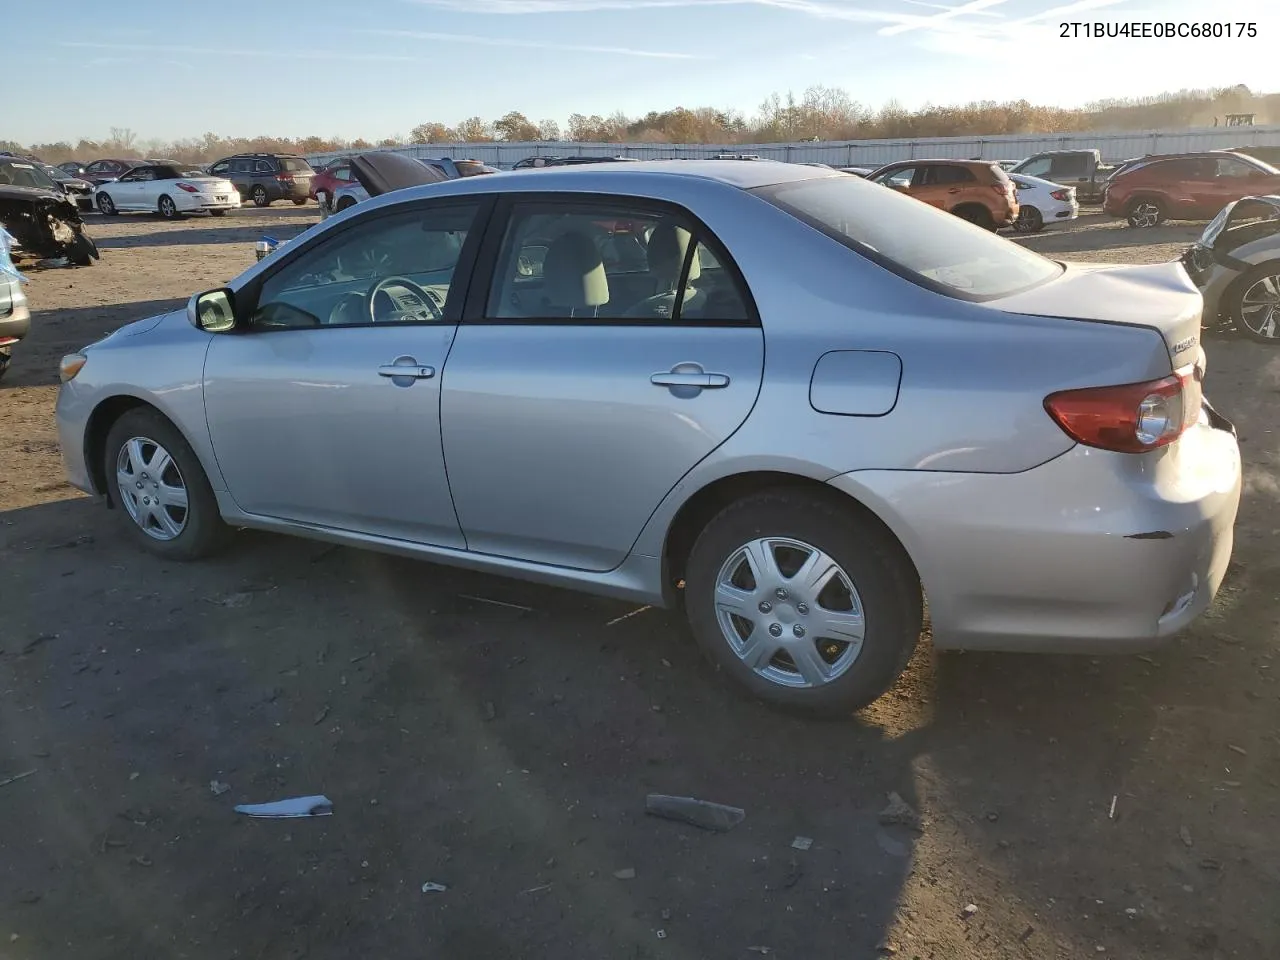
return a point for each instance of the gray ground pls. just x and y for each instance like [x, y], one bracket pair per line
[506, 753]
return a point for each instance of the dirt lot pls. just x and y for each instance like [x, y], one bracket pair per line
[506, 753]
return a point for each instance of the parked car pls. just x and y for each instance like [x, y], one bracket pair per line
[79, 191]
[356, 190]
[1268, 155]
[15, 316]
[1193, 186]
[1236, 265]
[1041, 202]
[863, 172]
[169, 190]
[539, 162]
[267, 177]
[42, 220]
[934, 394]
[974, 190]
[1081, 169]
[72, 168]
[328, 179]
[100, 171]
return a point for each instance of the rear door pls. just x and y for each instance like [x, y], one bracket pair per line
[1071, 170]
[581, 389]
[1237, 178]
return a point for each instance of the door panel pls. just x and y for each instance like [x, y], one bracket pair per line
[306, 428]
[559, 447]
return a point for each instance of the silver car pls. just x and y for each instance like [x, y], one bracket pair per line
[1236, 265]
[787, 400]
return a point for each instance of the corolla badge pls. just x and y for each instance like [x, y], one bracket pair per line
[1185, 344]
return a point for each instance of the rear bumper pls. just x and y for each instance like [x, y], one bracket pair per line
[1092, 551]
[203, 201]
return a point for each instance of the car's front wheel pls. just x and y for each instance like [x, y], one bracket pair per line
[1030, 220]
[1255, 303]
[804, 602]
[168, 209]
[297, 202]
[155, 481]
[106, 205]
[260, 198]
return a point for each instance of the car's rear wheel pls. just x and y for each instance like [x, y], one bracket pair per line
[217, 213]
[1255, 303]
[977, 215]
[1146, 212]
[260, 198]
[106, 205]
[345, 203]
[156, 482]
[298, 203]
[1030, 220]
[168, 209]
[6, 358]
[803, 602]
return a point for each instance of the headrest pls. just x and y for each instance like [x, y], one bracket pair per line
[668, 245]
[573, 272]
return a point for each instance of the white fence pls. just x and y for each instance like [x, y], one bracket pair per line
[864, 153]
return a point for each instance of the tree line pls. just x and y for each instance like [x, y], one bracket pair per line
[819, 113]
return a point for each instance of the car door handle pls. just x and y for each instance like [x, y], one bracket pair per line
[689, 375]
[406, 367]
[954, 190]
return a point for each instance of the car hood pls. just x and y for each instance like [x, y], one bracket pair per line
[381, 173]
[9, 192]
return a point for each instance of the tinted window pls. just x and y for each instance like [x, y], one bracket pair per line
[931, 247]
[945, 173]
[1069, 165]
[221, 167]
[331, 284]
[901, 177]
[1229, 168]
[1036, 167]
[473, 168]
[590, 262]
[242, 165]
[263, 166]
[294, 164]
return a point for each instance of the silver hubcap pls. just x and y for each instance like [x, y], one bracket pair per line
[789, 612]
[151, 488]
[1260, 307]
[1146, 214]
[166, 206]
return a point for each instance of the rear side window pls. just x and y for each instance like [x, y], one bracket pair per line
[949, 174]
[294, 165]
[927, 246]
[1070, 165]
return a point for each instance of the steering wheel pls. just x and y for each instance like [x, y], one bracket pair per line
[425, 298]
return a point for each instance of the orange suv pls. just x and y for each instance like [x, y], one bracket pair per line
[975, 190]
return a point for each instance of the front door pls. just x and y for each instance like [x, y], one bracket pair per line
[324, 409]
[615, 348]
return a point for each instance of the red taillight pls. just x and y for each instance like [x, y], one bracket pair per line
[188, 187]
[7, 341]
[285, 177]
[1062, 195]
[1132, 417]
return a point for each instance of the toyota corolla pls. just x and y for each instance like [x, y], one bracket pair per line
[787, 401]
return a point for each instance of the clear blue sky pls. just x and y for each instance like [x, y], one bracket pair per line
[373, 68]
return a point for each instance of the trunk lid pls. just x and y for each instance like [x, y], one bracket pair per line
[1156, 295]
[210, 184]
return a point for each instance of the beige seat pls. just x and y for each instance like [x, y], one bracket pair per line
[574, 283]
[668, 246]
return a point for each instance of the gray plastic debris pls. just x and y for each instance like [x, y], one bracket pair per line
[318, 806]
[430, 887]
[899, 812]
[626, 873]
[802, 843]
[699, 813]
[218, 788]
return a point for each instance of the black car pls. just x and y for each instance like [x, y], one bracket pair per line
[537, 162]
[39, 216]
[81, 191]
[267, 177]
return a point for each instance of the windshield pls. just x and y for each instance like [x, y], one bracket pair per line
[20, 173]
[935, 249]
[56, 174]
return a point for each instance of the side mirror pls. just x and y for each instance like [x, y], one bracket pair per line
[213, 311]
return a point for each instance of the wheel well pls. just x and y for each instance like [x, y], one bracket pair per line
[1144, 198]
[978, 209]
[100, 423]
[699, 510]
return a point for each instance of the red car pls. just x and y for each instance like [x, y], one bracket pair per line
[1192, 186]
[327, 180]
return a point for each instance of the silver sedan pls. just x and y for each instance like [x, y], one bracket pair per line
[786, 400]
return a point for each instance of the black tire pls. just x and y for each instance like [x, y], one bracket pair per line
[1030, 220]
[217, 213]
[107, 206]
[203, 530]
[83, 250]
[167, 208]
[6, 359]
[344, 204]
[1146, 212]
[874, 562]
[1234, 308]
[298, 203]
[260, 198]
[977, 215]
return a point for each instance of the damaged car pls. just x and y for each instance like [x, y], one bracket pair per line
[377, 173]
[43, 221]
[1236, 265]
